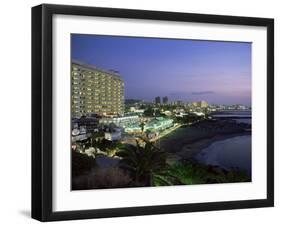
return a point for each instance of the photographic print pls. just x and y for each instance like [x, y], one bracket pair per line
[159, 112]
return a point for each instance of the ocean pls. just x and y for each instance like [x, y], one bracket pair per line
[230, 153]
[235, 152]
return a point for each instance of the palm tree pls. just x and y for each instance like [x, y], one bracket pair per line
[142, 126]
[144, 161]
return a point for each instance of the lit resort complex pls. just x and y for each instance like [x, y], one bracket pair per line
[98, 103]
[129, 142]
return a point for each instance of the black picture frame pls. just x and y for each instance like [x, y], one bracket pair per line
[42, 111]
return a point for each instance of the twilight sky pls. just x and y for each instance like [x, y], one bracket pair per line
[188, 70]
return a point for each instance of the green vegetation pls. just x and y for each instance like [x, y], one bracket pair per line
[144, 164]
[151, 112]
[104, 144]
[188, 119]
[194, 173]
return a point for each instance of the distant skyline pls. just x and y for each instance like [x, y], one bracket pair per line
[187, 70]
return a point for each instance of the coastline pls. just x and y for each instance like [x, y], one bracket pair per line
[188, 143]
[190, 150]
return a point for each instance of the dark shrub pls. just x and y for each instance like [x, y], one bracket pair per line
[111, 177]
[81, 163]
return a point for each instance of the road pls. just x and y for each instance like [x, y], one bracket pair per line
[166, 132]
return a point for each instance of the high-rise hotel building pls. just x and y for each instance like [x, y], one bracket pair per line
[95, 91]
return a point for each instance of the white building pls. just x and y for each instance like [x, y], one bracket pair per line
[79, 134]
[120, 121]
[200, 104]
[113, 136]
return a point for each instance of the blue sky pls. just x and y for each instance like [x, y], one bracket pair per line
[188, 70]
